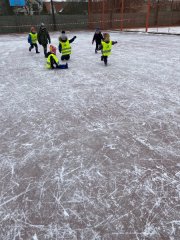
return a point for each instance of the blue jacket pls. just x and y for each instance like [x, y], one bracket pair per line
[29, 39]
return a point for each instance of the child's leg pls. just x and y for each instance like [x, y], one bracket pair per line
[36, 46]
[99, 45]
[65, 57]
[96, 49]
[45, 50]
[105, 60]
[63, 66]
[31, 47]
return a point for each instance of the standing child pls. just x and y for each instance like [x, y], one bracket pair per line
[106, 46]
[44, 38]
[52, 60]
[32, 39]
[64, 46]
[97, 38]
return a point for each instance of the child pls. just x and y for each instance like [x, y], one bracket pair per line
[32, 40]
[97, 38]
[64, 46]
[44, 38]
[52, 60]
[106, 46]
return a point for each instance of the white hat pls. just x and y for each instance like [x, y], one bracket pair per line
[63, 37]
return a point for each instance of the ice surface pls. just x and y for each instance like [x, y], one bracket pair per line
[91, 152]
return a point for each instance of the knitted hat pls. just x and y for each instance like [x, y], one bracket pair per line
[52, 49]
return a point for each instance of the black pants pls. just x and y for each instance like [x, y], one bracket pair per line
[65, 57]
[97, 46]
[45, 50]
[104, 58]
[32, 46]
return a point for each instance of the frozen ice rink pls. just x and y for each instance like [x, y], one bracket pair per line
[91, 152]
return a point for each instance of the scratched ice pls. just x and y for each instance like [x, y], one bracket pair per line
[92, 152]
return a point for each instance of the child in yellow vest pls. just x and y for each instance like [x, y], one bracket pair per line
[32, 40]
[64, 46]
[106, 46]
[52, 60]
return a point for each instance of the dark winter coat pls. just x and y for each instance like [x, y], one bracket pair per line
[43, 36]
[97, 38]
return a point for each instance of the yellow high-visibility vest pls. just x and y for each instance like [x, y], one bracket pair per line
[66, 48]
[48, 63]
[33, 37]
[106, 50]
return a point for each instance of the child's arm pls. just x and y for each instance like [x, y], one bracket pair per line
[93, 39]
[48, 37]
[29, 39]
[60, 47]
[102, 37]
[114, 42]
[39, 37]
[72, 39]
[53, 63]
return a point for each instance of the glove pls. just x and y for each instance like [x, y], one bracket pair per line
[75, 37]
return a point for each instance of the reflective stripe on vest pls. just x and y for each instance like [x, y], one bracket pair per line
[33, 37]
[66, 48]
[48, 63]
[106, 50]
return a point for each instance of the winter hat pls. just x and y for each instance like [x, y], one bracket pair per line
[63, 37]
[33, 29]
[42, 26]
[106, 37]
[52, 49]
[97, 30]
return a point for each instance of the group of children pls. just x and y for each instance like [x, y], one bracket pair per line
[103, 43]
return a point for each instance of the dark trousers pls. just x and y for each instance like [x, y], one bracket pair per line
[97, 46]
[45, 50]
[104, 58]
[65, 57]
[32, 46]
[63, 66]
